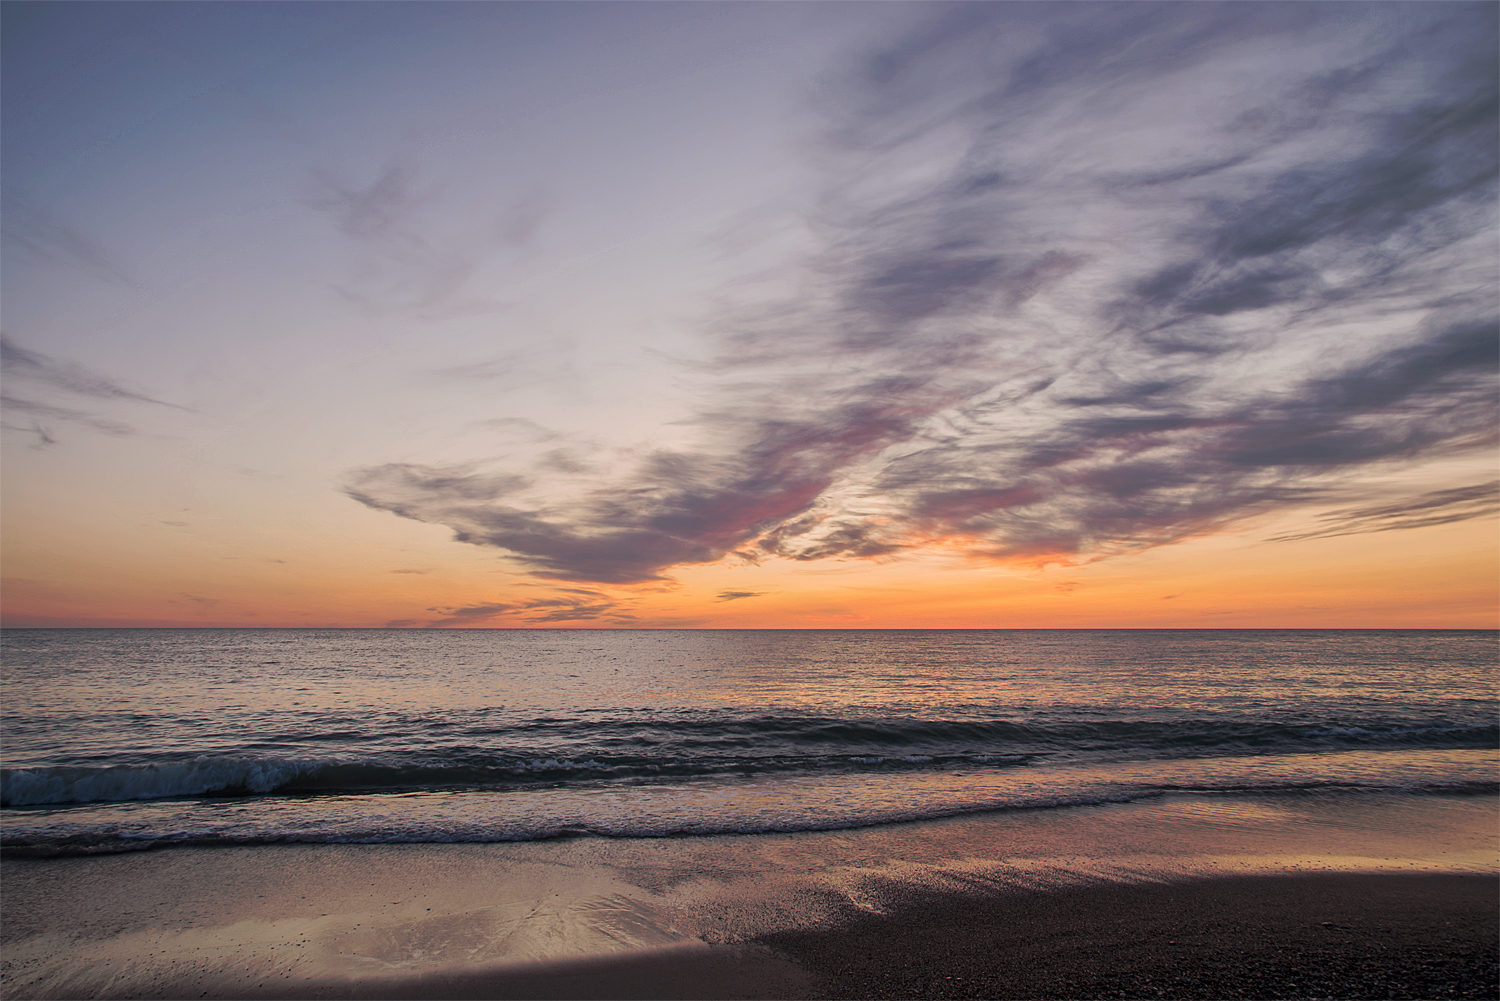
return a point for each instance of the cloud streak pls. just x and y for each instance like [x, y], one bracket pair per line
[737, 595]
[1436, 507]
[1093, 279]
[51, 375]
[73, 378]
[562, 605]
[47, 238]
[38, 411]
[407, 261]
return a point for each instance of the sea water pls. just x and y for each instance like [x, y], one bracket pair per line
[124, 739]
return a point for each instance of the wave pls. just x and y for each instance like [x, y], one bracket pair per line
[664, 749]
[712, 808]
[202, 776]
[235, 776]
[1064, 729]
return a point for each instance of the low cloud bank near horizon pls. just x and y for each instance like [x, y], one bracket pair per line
[563, 604]
[1092, 279]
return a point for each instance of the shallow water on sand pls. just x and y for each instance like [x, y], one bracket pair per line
[117, 925]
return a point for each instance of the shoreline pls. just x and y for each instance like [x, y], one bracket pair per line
[1158, 899]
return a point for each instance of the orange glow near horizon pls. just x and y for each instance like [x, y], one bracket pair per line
[383, 571]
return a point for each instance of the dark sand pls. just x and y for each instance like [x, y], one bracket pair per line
[1313, 936]
[1316, 936]
[1363, 897]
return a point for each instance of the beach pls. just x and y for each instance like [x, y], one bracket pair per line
[750, 500]
[1178, 896]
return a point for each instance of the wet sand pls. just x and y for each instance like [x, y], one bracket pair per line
[1307, 936]
[1323, 936]
[1178, 897]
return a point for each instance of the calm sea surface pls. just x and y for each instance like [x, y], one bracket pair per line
[119, 739]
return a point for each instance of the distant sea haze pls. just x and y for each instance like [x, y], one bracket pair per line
[126, 739]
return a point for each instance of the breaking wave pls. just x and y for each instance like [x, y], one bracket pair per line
[624, 751]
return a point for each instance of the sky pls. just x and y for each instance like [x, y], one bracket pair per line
[750, 315]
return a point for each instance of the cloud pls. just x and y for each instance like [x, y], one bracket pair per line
[564, 605]
[736, 595]
[49, 375]
[512, 369]
[43, 438]
[521, 427]
[1437, 507]
[406, 485]
[45, 410]
[409, 259]
[1094, 278]
[32, 365]
[46, 237]
[471, 613]
[679, 508]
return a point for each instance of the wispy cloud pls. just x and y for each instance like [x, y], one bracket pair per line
[43, 437]
[562, 605]
[69, 376]
[514, 370]
[407, 259]
[1094, 278]
[1436, 507]
[463, 615]
[49, 376]
[46, 411]
[521, 427]
[737, 595]
[46, 237]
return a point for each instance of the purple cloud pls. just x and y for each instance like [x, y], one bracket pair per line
[1094, 278]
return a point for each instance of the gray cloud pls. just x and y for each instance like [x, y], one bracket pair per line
[563, 605]
[1095, 278]
[737, 595]
[73, 378]
[469, 613]
[41, 411]
[405, 488]
[1436, 507]
[43, 438]
[50, 375]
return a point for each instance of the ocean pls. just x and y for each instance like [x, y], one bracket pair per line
[119, 740]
